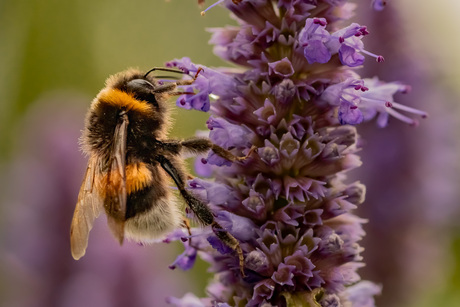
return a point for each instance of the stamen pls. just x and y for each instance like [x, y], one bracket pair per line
[363, 30]
[406, 89]
[211, 6]
[409, 109]
[319, 21]
[379, 58]
[401, 117]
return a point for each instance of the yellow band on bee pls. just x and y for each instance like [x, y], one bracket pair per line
[138, 176]
[120, 99]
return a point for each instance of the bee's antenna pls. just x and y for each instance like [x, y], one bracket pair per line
[165, 69]
[166, 77]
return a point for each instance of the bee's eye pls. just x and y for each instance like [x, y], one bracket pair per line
[139, 86]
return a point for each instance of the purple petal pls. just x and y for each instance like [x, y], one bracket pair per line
[189, 300]
[349, 114]
[282, 68]
[240, 227]
[350, 57]
[316, 51]
[186, 260]
[361, 294]
[218, 245]
[284, 274]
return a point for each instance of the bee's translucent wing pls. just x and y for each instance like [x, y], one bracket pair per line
[102, 190]
[89, 206]
[115, 201]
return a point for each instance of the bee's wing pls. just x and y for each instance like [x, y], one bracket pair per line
[89, 206]
[115, 202]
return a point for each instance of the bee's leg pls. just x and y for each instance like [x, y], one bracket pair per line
[170, 89]
[202, 145]
[202, 212]
[190, 81]
[231, 242]
[186, 224]
[171, 86]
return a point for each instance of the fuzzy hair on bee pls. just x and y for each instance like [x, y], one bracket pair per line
[131, 161]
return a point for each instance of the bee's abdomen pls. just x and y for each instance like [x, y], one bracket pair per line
[145, 185]
[138, 177]
[152, 211]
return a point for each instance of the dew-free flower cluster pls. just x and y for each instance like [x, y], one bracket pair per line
[293, 93]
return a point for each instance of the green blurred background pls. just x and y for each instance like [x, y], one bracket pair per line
[74, 45]
[54, 58]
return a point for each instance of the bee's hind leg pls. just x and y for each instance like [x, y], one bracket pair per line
[201, 210]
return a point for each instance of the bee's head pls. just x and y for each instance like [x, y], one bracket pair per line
[144, 87]
[147, 87]
[143, 90]
[140, 86]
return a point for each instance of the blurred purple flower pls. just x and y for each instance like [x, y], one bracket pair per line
[412, 203]
[379, 5]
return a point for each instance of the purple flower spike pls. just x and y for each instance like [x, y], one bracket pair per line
[292, 108]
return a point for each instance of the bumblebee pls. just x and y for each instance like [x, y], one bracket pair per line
[130, 160]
